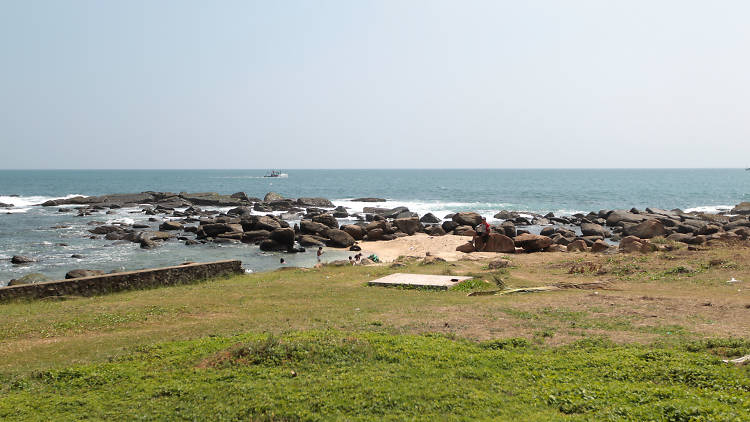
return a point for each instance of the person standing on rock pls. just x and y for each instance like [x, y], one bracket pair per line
[483, 232]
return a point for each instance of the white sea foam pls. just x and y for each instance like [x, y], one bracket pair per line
[122, 220]
[710, 209]
[23, 204]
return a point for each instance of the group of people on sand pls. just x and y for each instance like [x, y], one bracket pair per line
[356, 260]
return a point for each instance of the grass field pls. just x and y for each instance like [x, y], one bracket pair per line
[301, 344]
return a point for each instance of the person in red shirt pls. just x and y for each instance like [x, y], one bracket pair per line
[483, 232]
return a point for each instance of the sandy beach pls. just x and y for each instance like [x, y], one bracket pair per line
[419, 244]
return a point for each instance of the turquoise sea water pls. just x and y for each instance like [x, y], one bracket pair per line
[27, 229]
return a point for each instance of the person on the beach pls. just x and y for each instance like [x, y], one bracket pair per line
[483, 233]
[320, 252]
[282, 261]
[351, 260]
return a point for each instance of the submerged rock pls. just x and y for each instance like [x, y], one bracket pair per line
[21, 259]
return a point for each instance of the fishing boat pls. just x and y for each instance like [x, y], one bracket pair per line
[275, 173]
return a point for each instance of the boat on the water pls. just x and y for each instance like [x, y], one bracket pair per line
[275, 173]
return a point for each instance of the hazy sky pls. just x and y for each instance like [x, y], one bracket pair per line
[374, 84]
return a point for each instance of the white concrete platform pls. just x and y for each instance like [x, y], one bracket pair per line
[440, 282]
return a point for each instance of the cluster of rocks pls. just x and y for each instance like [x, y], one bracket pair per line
[183, 219]
[631, 228]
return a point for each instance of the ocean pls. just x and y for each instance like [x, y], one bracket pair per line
[26, 229]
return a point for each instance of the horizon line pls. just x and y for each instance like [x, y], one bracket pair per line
[377, 168]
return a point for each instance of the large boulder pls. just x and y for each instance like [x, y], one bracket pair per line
[315, 202]
[434, 230]
[148, 244]
[340, 212]
[254, 236]
[264, 222]
[312, 227]
[375, 234]
[78, 273]
[170, 225]
[508, 228]
[578, 245]
[449, 226]
[429, 218]
[283, 236]
[464, 231]
[599, 246]
[270, 245]
[743, 208]
[242, 196]
[467, 247]
[242, 212]
[532, 242]
[395, 212]
[311, 240]
[339, 238]
[327, 219]
[355, 231]
[408, 225]
[591, 229]
[497, 243]
[21, 259]
[211, 199]
[506, 215]
[618, 217]
[215, 229]
[272, 196]
[379, 224]
[631, 244]
[467, 218]
[29, 279]
[646, 230]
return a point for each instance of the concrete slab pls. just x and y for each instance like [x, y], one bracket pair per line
[440, 282]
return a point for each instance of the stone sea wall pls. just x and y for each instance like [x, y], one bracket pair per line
[131, 280]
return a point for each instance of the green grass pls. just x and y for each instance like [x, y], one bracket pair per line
[334, 375]
[303, 344]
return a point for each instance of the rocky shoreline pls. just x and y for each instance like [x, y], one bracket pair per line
[265, 222]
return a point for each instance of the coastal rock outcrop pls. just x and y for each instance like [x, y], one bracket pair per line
[283, 236]
[429, 218]
[743, 208]
[355, 231]
[532, 242]
[272, 196]
[368, 200]
[646, 230]
[29, 279]
[82, 273]
[326, 219]
[21, 259]
[470, 219]
[409, 225]
[631, 244]
[339, 238]
[578, 245]
[497, 243]
[315, 202]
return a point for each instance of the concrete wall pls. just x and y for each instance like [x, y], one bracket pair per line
[108, 283]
